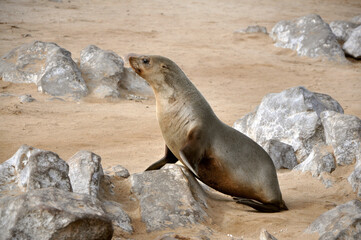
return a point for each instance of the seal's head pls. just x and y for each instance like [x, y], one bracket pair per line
[157, 70]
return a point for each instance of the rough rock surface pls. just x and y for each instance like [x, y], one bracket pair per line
[342, 29]
[355, 178]
[118, 216]
[169, 198]
[356, 19]
[309, 36]
[85, 172]
[32, 168]
[320, 160]
[291, 117]
[353, 44]
[342, 222]
[282, 155]
[45, 64]
[52, 213]
[343, 133]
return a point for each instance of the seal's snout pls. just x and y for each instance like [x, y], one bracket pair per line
[134, 64]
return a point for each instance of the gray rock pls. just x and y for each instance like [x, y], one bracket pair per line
[353, 44]
[342, 222]
[356, 19]
[118, 216]
[102, 69]
[85, 172]
[253, 29]
[309, 36]
[121, 171]
[282, 155]
[169, 198]
[291, 117]
[320, 160]
[26, 98]
[355, 178]
[53, 214]
[45, 64]
[264, 235]
[32, 168]
[343, 133]
[132, 83]
[342, 29]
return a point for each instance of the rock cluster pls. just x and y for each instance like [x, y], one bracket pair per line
[52, 69]
[311, 36]
[312, 124]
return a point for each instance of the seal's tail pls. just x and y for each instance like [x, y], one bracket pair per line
[269, 207]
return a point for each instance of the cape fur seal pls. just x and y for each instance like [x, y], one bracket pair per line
[217, 154]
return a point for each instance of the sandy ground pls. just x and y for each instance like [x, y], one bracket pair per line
[233, 73]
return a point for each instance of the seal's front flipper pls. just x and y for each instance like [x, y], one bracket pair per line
[192, 152]
[168, 158]
[262, 207]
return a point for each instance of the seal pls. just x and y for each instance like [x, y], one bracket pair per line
[220, 156]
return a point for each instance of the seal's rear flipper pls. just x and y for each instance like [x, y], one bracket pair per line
[261, 206]
[168, 158]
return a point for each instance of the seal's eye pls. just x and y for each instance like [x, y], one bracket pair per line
[145, 60]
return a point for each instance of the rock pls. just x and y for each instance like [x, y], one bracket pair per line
[355, 178]
[118, 216]
[309, 36]
[175, 236]
[266, 235]
[132, 83]
[121, 171]
[253, 29]
[353, 44]
[291, 117]
[356, 19]
[52, 213]
[320, 160]
[26, 98]
[342, 222]
[45, 64]
[343, 133]
[169, 198]
[282, 155]
[342, 29]
[103, 70]
[85, 172]
[32, 168]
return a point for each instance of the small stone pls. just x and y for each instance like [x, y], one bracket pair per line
[253, 29]
[26, 98]
[264, 235]
[121, 171]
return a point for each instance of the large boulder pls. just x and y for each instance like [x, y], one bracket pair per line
[343, 133]
[169, 198]
[47, 65]
[32, 168]
[106, 75]
[85, 172]
[309, 36]
[291, 117]
[353, 44]
[342, 222]
[51, 213]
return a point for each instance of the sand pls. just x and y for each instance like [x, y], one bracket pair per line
[232, 71]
